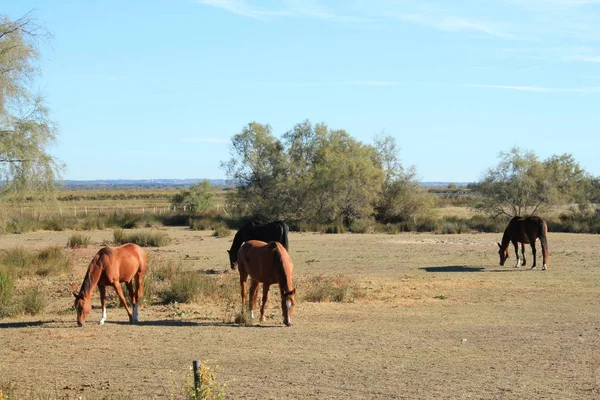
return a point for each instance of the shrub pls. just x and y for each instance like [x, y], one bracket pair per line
[178, 285]
[144, 239]
[33, 301]
[361, 226]
[221, 231]
[335, 289]
[78, 240]
[7, 286]
[49, 261]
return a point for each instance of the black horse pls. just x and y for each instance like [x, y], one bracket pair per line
[525, 230]
[272, 231]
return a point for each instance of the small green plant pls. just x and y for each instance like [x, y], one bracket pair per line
[440, 297]
[209, 388]
[7, 391]
[78, 240]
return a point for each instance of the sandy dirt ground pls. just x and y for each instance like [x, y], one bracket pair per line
[439, 319]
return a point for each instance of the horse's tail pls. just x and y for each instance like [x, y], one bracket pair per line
[543, 228]
[282, 266]
[285, 229]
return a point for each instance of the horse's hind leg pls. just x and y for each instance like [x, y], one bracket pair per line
[139, 292]
[545, 254]
[533, 253]
[524, 263]
[102, 290]
[133, 297]
[119, 291]
[253, 296]
[243, 278]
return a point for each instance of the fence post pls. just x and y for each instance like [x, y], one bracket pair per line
[197, 380]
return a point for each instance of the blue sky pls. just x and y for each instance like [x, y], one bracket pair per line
[156, 88]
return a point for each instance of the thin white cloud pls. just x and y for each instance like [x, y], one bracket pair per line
[372, 83]
[289, 9]
[240, 7]
[451, 23]
[583, 58]
[539, 89]
[204, 140]
[109, 78]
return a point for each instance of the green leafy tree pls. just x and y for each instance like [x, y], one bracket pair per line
[401, 197]
[259, 167]
[26, 130]
[521, 184]
[199, 198]
[346, 178]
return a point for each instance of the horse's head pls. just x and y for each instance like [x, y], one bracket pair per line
[83, 308]
[232, 259]
[503, 252]
[287, 305]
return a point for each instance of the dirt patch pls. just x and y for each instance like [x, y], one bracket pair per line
[439, 319]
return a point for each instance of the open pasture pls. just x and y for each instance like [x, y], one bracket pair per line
[436, 317]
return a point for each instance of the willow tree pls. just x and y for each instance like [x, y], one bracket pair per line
[26, 130]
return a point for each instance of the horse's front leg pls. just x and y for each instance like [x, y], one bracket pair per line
[243, 279]
[518, 261]
[119, 290]
[102, 290]
[253, 296]
[133, 300]
[264, 301]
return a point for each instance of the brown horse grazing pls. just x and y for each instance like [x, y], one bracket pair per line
[525, 230]
[111, 266]
[267, 264]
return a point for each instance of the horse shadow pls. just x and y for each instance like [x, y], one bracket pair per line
[179, 323]
[453, 268]
[16, 325]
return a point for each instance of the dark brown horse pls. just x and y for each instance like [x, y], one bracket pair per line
[525, 230]
[111, 266]
[271, 231]
[267, 264]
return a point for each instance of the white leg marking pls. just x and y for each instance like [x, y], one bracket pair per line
[518, 263]
[544, 267]
[252, 314]
[288, 305]
[103, 316]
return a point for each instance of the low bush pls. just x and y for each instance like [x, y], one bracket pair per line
[48, 261]
[33, 301]
[322, 288]
[144, 239]
[78, 240]
[221, 231]
[7, 287]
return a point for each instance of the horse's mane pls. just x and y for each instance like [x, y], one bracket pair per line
[281, 263]
[238, 239]
[95, 270]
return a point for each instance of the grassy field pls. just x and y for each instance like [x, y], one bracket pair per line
[422, 316]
